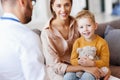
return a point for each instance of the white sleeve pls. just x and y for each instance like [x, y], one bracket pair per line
[32, 61]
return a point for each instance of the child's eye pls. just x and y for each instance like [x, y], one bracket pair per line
[81, 27]
[89, 25]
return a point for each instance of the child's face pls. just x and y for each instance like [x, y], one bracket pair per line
[87, 28]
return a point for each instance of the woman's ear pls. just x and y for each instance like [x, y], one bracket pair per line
[53, 8]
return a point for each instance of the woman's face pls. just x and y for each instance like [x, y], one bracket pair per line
[62, 9]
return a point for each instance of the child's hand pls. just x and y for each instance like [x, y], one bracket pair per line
[85, 61]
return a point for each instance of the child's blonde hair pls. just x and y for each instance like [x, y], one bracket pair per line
[85, 14]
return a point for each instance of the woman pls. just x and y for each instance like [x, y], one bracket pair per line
[57, 38]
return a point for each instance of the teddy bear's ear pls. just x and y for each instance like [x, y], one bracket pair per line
[79, 50]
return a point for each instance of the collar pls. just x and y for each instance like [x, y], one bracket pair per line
[9, 16]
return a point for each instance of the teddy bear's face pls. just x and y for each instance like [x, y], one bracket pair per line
[88, 51]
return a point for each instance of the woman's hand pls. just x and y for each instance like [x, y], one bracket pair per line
[94, 71]
[107, 75]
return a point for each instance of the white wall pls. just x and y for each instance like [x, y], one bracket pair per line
[108, 6]
[94, 6]
[41, 12]
[1, 12]
[78, 5]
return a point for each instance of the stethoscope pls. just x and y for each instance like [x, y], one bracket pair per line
[9, 18]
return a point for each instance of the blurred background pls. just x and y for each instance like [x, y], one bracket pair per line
[104, 10]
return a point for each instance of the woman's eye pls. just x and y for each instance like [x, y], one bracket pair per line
[58, 5]
[67, 5]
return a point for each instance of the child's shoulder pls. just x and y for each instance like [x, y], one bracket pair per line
[101, 39]
[79, 39]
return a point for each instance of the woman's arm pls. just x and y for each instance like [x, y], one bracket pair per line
[51, 54]
[108, 75]
[93, 70]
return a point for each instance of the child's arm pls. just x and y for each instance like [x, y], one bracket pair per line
[104, 57]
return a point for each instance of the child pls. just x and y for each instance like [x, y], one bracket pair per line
[87, 26]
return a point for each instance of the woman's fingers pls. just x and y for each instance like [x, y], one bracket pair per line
[107, 75]
[97, 74]
[94, 71]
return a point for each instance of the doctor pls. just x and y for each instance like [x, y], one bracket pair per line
[20, 54]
